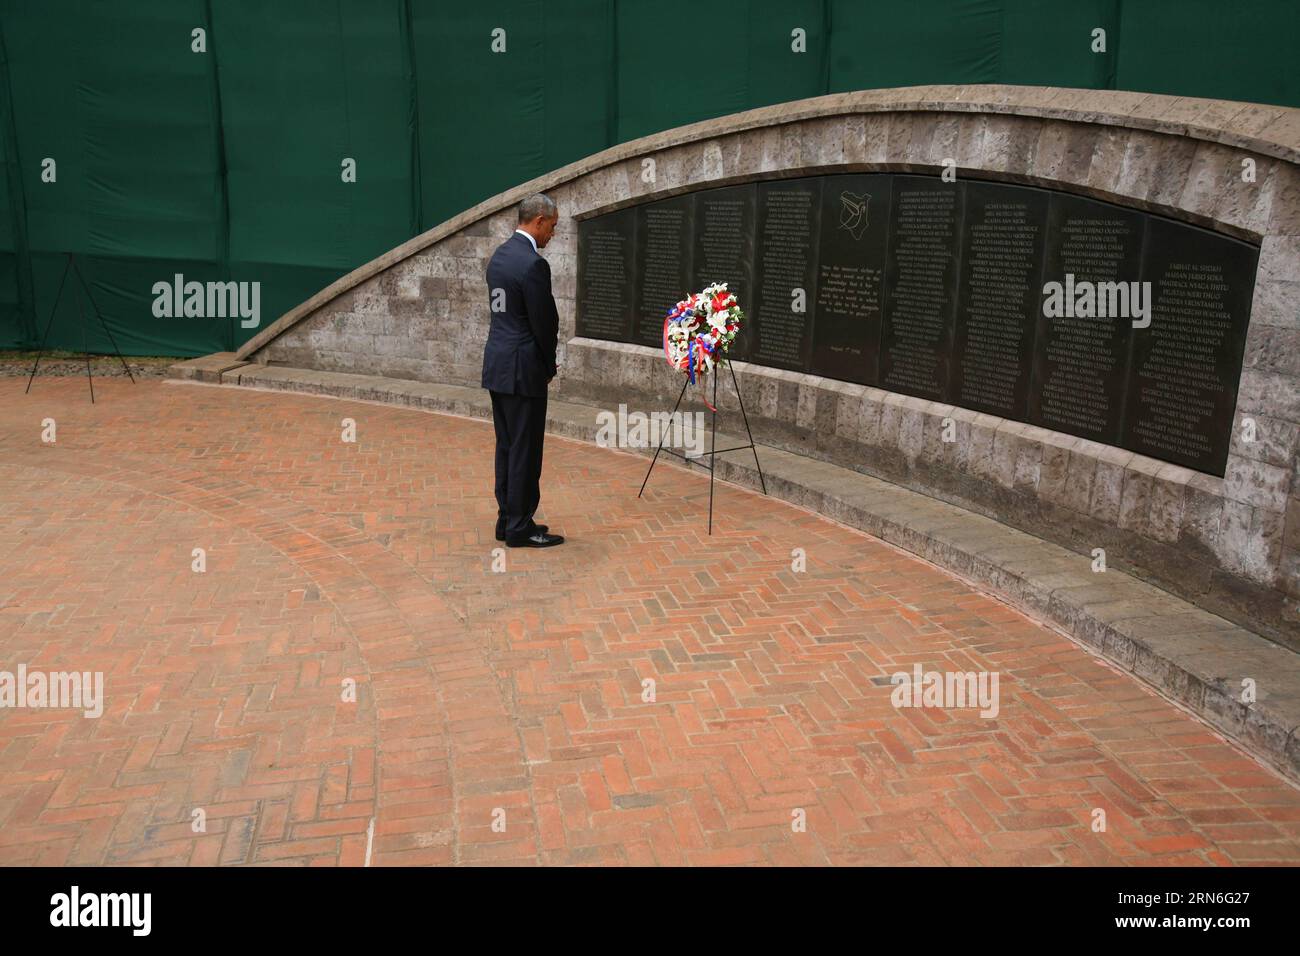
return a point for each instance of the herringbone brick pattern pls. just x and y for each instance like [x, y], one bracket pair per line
[499, 716]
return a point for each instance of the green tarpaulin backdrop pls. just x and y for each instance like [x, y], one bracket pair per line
[145, 158]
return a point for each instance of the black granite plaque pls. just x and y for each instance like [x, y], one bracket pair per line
[1081, 357]
[724, 251]
[851, 277]
[606, 270]
[921, 281]
[665, 238]
[998, 297]
[1006, 299]
[786, 272]
[1185, 366]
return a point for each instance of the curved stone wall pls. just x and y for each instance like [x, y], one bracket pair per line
[1230, 544]
[934, 289]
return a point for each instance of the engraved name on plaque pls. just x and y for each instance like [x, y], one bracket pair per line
[1082, 359]
[606, 271]
[921, 280]
[724, 250]
[1186, 364]
[665, 233]
[786, 267]
[998, 298]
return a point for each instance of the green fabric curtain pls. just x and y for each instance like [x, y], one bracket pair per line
[491, 119]
[15, 312]
[228, 164]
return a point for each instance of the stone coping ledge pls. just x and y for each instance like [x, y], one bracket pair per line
[1189, 655]
[206, 368]
[1259, 128]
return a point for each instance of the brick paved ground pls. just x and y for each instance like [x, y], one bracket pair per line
[522, 691]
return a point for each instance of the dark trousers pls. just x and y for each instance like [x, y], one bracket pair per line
[520, 423]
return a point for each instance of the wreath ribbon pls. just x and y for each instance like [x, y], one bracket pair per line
[706, 347]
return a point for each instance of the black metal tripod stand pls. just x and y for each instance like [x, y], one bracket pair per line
[72, 266]
[713, 451]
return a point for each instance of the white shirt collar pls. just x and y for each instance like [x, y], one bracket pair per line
[529, 238]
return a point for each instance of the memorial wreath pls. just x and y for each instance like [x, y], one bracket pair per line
[699, 330]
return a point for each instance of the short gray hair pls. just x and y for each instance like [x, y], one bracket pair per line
[538, 204]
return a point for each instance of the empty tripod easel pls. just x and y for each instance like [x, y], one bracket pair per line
[71, 266]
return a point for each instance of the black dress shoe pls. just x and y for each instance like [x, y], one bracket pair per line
[538, 539]
[501, 535]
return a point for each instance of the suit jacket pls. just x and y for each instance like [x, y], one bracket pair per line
[519, 356]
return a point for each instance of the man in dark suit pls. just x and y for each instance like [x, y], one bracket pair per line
[518, 364]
